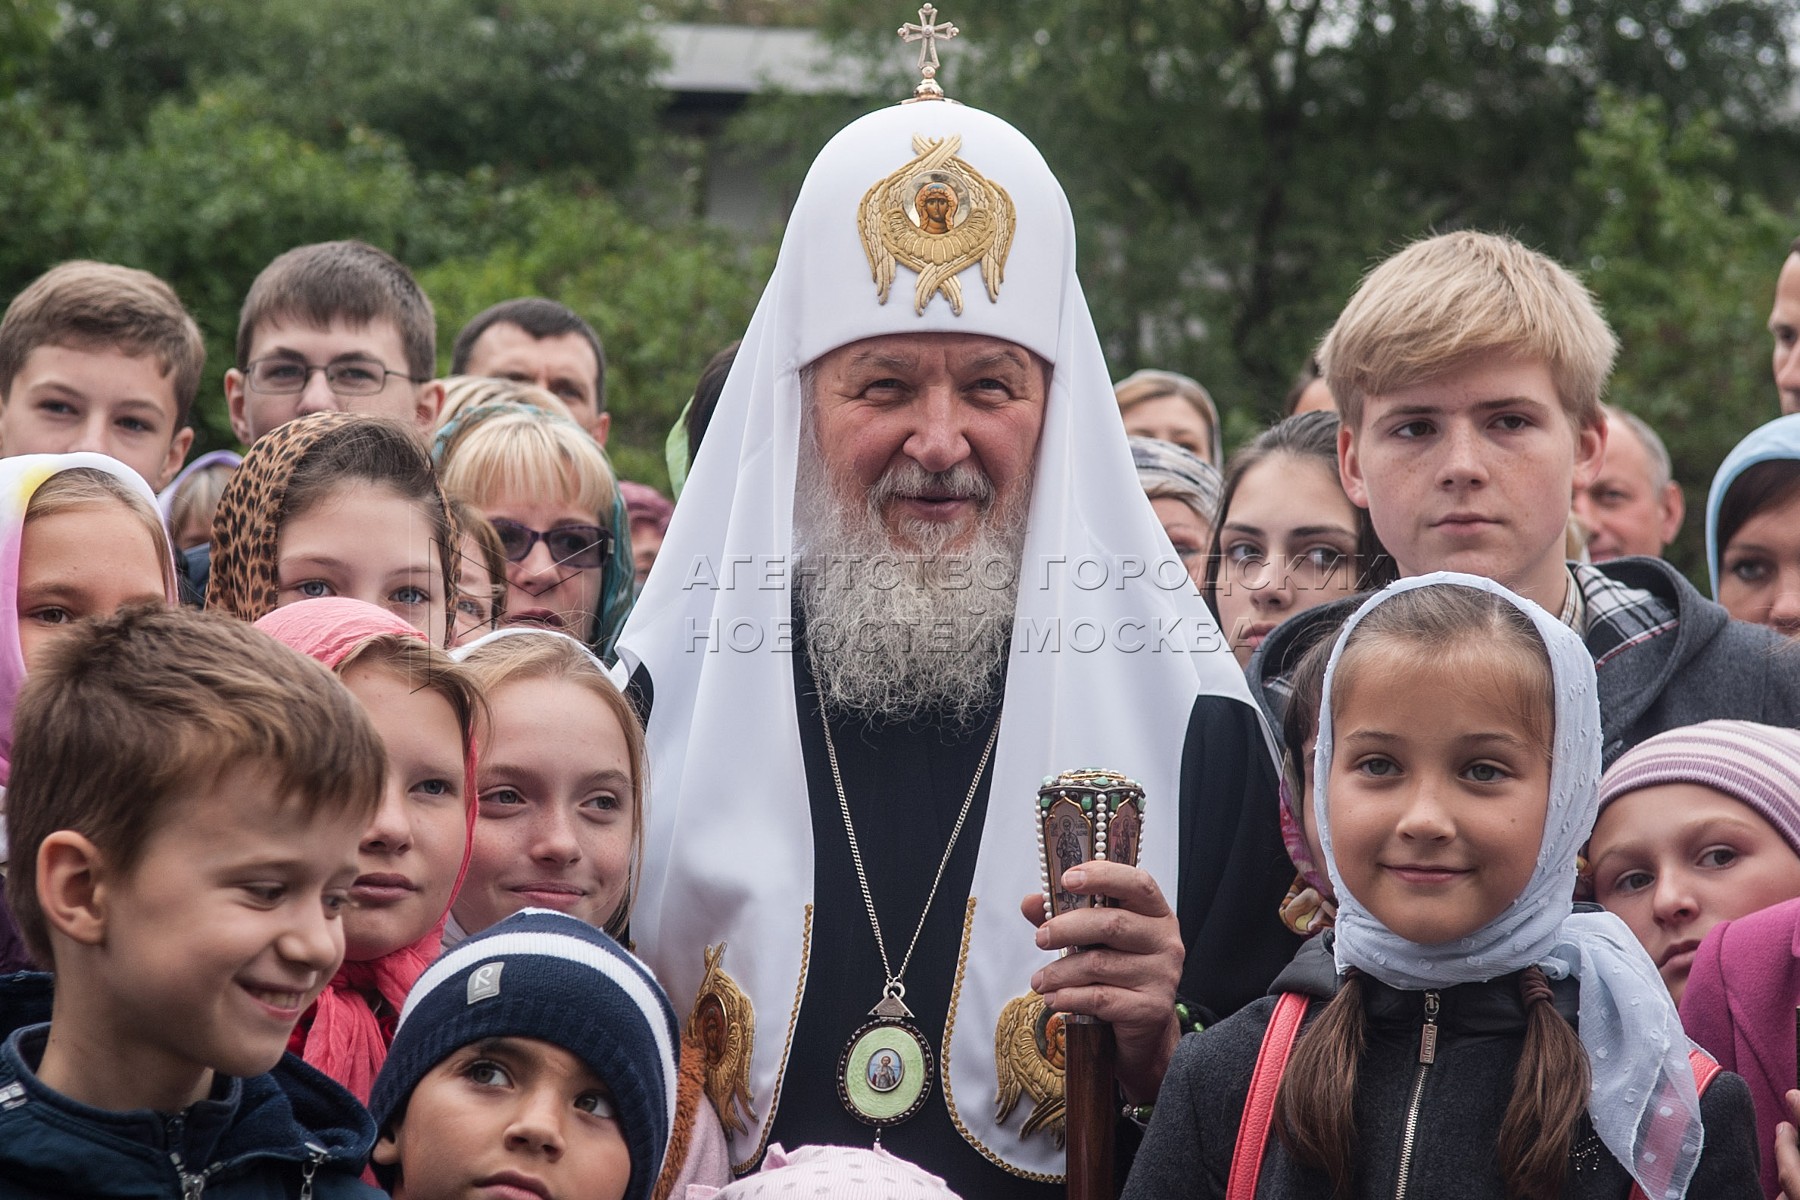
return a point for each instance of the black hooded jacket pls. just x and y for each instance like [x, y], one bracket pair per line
[1460, 1100]
[288, 1133]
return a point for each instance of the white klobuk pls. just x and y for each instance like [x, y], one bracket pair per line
[1103, 672]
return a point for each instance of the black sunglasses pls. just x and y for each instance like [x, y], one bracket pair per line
[581, 546]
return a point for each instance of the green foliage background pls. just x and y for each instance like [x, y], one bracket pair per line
[1234, 167]
[498, 147]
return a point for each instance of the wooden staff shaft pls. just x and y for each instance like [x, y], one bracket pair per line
[1091, 1111]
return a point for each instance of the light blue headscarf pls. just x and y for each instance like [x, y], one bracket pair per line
[1779, 439]
[1643, 1102]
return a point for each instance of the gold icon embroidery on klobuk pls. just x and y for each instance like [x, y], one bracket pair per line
[938, 216]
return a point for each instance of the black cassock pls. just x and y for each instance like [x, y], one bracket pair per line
[905, 784]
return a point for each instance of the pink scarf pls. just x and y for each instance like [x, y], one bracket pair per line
[345, 1038]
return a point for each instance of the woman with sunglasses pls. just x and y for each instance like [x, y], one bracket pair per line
[551, 495]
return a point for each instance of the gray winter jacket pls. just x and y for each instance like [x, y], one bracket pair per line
[1461, 1099]
[1704, 666]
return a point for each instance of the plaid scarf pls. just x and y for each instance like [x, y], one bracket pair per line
[1615, 617]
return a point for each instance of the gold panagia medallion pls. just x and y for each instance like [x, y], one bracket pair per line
[724, 1024]
[1028, 1057]
[938, 216]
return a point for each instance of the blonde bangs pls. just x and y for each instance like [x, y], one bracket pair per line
[554, 656]
[1448, 301]
[465, 392]
[526, 454]
[85, 487]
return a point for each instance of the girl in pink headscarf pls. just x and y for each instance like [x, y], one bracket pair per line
[413, 856]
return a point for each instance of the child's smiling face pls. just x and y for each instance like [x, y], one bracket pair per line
[412, 851]
[1437, 796]
[215, 942]
[557, 807]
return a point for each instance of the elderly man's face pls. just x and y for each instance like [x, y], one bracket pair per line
[943, 427]
[1624, 509]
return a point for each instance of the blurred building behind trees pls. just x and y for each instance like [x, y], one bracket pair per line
[1234, 165]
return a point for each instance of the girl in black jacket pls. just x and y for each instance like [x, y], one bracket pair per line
[1466, 1034]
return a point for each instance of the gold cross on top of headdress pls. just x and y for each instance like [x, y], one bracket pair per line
[929, 32]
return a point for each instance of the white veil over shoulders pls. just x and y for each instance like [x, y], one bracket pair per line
[1111, 646]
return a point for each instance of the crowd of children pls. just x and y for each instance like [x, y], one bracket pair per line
[335, 878]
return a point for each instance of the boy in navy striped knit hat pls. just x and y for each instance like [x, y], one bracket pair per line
[535, 1060]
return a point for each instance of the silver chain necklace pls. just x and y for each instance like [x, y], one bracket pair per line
[885, 1071]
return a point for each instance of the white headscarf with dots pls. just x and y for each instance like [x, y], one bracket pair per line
[1643, 1102]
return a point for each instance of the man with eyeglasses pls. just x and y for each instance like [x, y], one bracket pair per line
[329, 327]
[335, 326]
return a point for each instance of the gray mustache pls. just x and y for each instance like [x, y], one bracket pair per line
[963, 482]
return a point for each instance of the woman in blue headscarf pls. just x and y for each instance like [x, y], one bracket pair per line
[1753, 528]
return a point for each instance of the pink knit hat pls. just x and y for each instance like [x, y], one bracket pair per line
[1756, 765]
[830, 1173]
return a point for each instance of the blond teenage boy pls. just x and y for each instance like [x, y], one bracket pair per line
[187, 798]
[104, 358]
[1468, 370]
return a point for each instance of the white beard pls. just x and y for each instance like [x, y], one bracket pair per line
[899, 634]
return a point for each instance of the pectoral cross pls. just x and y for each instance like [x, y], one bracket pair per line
[930, 32]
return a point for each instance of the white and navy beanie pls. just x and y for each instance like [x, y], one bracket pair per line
[546, 975]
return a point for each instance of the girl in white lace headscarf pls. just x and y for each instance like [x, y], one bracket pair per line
[1407, 895]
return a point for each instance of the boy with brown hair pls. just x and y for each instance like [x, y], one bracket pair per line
[1468, 370]
[329, 327]
[534, 340]
[187, 798]
[334, 326]
[100, 357]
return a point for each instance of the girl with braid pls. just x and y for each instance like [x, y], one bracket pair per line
[1463, 1030]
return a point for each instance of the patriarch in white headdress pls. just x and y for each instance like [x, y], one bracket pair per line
[915, 513]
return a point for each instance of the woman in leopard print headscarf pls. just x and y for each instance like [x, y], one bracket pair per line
[327, 505]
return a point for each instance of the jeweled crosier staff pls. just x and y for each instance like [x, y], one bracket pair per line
[1083, 816]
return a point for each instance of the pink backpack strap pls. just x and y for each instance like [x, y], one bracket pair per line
[1706, 1068]
[1259, 1106]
